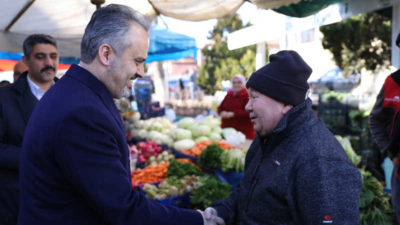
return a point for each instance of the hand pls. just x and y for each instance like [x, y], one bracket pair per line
[223, 114]
[210, 216]
[230, 114]
[395, 159]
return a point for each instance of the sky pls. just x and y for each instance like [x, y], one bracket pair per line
[248, 12]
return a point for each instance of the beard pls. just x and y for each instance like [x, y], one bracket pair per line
[125, 92]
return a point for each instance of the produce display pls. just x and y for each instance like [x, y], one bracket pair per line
[184, 134]
[233, 160]
[171, 187]
[152, 174]
[210, 189]
[375, 205]
[178, 169]
[163, 157]
[200, 146]
[165, 176]
[210, 158]
[146, 150]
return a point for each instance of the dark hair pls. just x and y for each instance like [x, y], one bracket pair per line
[110, 25]
[35, 39]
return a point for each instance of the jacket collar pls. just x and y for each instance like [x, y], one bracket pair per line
[26, 100]
[87, 78]
[21, 85]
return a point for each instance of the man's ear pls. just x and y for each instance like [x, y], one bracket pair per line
[105, 54]
[286, 108]
[25, 60]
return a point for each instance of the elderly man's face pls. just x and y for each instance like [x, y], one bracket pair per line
[265, 112]
[129, 64]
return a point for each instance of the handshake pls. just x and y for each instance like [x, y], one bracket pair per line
[210, 217]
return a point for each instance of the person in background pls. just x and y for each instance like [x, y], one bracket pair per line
[75, 166]
[19, 68]
[381, 123]
[17, 102]
[4, 83]
[296, 172]
[232, 108]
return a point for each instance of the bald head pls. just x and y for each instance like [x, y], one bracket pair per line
[19, 68]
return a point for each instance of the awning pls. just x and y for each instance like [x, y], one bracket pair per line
[168, 45]
[66, 20]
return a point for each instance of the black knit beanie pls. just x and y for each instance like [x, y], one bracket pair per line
[284, 78]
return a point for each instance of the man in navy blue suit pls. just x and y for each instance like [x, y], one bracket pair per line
[75, 158]
[17, 102]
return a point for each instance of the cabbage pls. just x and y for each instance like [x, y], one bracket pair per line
[139, 124]
[143, 134]
[184, 144]
[216, 130]
[156, 126]
[166, 131]
[211, 122]
[180, 134]
[215, 136]
[185, 122]
[202, 138]
[227, 131]
[234, 138]
[166, 123]
[200, 130]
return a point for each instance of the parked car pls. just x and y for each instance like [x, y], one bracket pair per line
[335, 81]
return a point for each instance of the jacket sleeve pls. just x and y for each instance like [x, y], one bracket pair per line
[379, 121]
[394, 144]
[9, 154]
[228, 208]
[327, 192]
[88, 154]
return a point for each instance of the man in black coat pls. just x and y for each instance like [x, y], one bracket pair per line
[17, 102]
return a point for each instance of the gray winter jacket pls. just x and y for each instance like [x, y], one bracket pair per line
[299, 175]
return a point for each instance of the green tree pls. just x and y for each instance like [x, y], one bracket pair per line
[362, 41]
[220, 63]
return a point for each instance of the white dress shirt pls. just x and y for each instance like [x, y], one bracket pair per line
[36, 90]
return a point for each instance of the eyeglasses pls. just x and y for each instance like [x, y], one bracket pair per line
[236, 82]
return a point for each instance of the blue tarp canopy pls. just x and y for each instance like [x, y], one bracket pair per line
[164, 45]
[168, 45]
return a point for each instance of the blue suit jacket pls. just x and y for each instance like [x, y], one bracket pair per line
[75, 162]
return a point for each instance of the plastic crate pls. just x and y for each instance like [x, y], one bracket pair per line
[231, 177]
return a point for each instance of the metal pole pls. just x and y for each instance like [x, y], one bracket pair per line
[395, 32]
[20, 13]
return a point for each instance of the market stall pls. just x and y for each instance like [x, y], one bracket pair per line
[188, 164]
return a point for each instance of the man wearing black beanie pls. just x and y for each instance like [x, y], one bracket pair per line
[296, 172]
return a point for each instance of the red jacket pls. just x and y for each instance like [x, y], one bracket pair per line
[241, 120]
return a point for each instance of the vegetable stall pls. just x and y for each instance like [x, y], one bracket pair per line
[188, 164]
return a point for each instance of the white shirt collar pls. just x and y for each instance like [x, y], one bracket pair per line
[36, 90]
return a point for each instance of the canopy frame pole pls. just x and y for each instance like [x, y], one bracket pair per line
[395, 32]
[20, 13]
